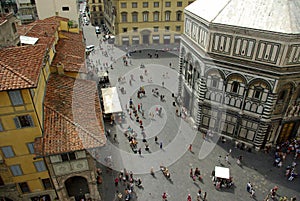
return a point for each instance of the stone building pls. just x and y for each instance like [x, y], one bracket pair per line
[149, 22]
[240, 69]
[8, 31]
[96, 8]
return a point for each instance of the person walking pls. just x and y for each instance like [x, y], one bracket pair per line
[205, 196]
[199, 195]
[156, 139]
[140, 151]
[248, 187]
[189, 198]
[227, 159]
[219, 159]
[190, 147]
[163, 84]
[164, 196]
[160, 145]
[116, 181]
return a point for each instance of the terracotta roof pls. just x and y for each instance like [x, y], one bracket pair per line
[55, 19]
[21, 66]
[72, 117]
[70, 51]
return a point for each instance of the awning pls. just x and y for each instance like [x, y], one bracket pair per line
[125, 39]
[28, 40]
[135, 38]
[167, 37]
[222, 172]
[177, 36]
[111, 100]
[155, 37]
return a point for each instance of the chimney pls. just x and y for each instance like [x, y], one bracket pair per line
[60, 68]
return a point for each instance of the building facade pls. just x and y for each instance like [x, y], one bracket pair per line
[109, 15]
[26, 11]
[22, 175]
[149, 22]
[61, 8]
[8, 30]
[96, 9]
[240, 72]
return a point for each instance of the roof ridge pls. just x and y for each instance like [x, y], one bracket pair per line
[17, 73]
[221, 10]
[71, 121]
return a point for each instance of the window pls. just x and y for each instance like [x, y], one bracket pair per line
[68, 156]
[155, 16]
[155, 29]
[167, 28]
[134, 17]
[135, 29]
[16, 97]
[1, 127]
[257, 93]
[281, 96]
[94, 8]
[24, 187]
[30, 147]
[23, 121]
[93, 1]
[134, 5]
[123, 5]
[168, 4]
[145, 4]
[40, 166]
[145, 16]
[167, 15]
[178, 28]
[124, 17]
[47, 184]
[8, 152]
[214, 82]
[156, 4]
[65, 8]
[179, 3]
[178, 15]
[125, 30]
[235, 87]
[100, 8]
[16, 170]
[13, 25]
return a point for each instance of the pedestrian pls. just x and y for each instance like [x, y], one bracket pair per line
[190, 147]
[252, 192]
[189, 198]
[176, 111]
[115, 137]
[227, 159]
[163, 84]
[160, 145]
[204, 196]
[156, 139]
[164, 196]
[219, 159]
[116, 181]
[140, 151]
[229, 152]
[248, 187]
[139, 107]
[170, 64]
[199, 195]
[191, 173]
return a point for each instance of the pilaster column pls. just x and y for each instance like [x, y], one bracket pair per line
[265, 120]
[180, 79]
[200, 99]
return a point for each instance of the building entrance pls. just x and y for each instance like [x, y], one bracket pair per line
[77, 187]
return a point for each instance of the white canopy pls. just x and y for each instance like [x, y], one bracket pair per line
[222, 172]
[111, 100]
[28, 40]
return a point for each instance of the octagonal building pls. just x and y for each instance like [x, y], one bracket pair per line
[239, 69]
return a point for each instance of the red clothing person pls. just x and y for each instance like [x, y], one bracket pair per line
[189, 198]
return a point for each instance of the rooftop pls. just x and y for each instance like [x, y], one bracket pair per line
[282, 16]
[73, 118]
[70, 51]
[20, 66]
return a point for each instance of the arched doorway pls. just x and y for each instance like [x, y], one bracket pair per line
[77, 186]
[145, 36]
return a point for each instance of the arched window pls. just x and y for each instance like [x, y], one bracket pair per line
[235, 87]
[156, 16]
[145, 16]
[178, 16]
[124, 16]
[167, 15]
[281, 96]
[134, 17]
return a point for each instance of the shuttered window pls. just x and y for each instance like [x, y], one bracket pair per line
[8, 152]
[16, 170]
[40, 166]
[16, 97]
[23, 121]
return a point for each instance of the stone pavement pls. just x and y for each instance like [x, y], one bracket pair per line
[176, 135]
